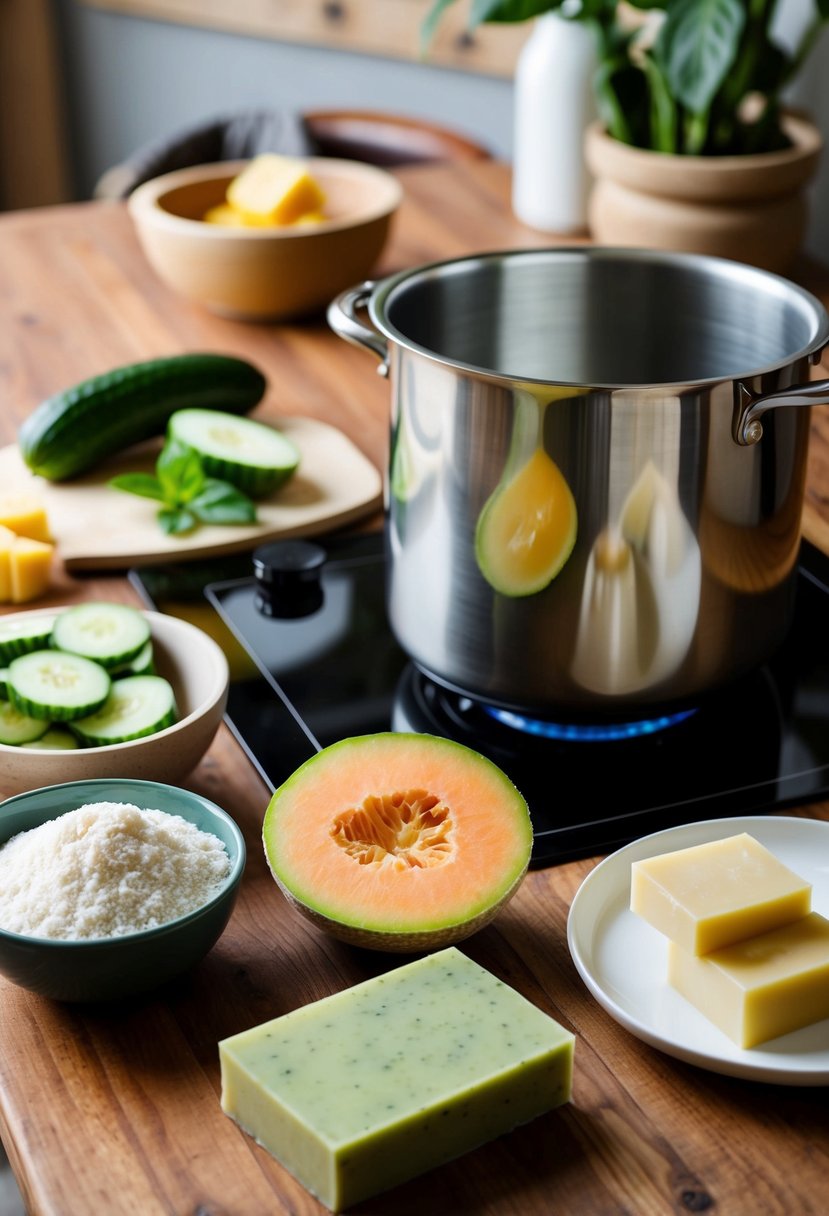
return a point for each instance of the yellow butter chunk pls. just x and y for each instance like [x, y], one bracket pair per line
[310, 218]
[372, 1086]
[275, 190]
[25, 515]
[760, 988]
[30, 563]
[714, 894]
[7, 539]
[225, 215]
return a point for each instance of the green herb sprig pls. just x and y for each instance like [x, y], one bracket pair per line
[188, 496]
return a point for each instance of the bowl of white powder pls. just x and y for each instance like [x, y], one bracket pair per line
[112, 887]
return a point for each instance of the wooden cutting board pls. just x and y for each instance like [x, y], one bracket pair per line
[97, 527]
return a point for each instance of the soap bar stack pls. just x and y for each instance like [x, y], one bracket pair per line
[744, 946]
[362, 1090]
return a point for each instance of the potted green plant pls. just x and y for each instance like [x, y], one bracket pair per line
[693, 148]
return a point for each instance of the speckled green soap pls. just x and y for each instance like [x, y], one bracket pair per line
[362, 1090]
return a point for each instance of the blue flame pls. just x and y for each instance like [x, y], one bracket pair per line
[595, 732]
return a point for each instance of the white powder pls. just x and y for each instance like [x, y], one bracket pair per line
[106, 869]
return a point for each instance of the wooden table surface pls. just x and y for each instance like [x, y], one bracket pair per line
[109, 1111]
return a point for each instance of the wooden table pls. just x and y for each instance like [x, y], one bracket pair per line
[109, 1111]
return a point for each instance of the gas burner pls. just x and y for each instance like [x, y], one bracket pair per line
[303, 679]
[718, 760]
[587, 732]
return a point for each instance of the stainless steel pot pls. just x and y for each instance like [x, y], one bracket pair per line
[594, 493]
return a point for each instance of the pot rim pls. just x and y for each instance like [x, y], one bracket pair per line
[383, 291]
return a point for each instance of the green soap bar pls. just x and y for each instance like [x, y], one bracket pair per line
[362, 1090]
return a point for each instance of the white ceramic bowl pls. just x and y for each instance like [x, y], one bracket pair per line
[196, 668]
[264, 273]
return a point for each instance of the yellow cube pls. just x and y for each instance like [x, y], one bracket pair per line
[717, 893]
[7, 539]
[25, 515]
[275, 190]
[310, 218]
[761, 988]
[225, 215]
[30, 564]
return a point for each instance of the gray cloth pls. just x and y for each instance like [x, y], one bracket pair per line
[233, 137]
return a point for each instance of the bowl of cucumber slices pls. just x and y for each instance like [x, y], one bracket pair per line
[101, 689]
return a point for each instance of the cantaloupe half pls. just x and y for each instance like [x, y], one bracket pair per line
[400, 842]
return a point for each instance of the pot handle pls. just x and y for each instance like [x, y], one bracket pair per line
[343, 320]
[749, 407]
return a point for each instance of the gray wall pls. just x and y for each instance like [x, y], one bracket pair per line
[131, 81]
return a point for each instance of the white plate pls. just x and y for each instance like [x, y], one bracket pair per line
[623, 961]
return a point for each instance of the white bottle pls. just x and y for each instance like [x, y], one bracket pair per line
[553, 105]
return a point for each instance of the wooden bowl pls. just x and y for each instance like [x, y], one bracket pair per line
[262, 274]
[196, 668]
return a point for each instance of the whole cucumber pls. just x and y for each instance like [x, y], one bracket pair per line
[76, 429]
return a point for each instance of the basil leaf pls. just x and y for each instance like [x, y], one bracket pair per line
[221, 503]
[180, 472]
[696, 46]
[143, 484]
[176, 520]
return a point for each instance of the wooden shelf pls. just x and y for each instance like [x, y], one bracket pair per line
[389, 28]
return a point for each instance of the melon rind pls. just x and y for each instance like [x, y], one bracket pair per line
[401, 943]
[431, 929]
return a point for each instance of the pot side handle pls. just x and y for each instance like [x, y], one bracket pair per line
[343, 320]
[749, 407]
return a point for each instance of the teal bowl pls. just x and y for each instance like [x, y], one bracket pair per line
[107, 969]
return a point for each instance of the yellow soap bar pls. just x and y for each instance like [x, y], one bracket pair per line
[30, 563]
[717, 893]
[760, 988]
[25, 515]
[7, 539]
[275, 190]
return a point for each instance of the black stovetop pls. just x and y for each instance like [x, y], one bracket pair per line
[298, 684]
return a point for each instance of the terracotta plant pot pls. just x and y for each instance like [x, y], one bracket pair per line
[750, 208]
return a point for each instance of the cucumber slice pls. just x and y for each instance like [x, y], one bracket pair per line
[110, 634]
[251, 456]
[17, 727]
[57, 686]
[142, 665]
[136, 706]
[4, 683]
[19, 635]
[55, 740]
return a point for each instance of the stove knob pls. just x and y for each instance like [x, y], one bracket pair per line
[287, 574]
